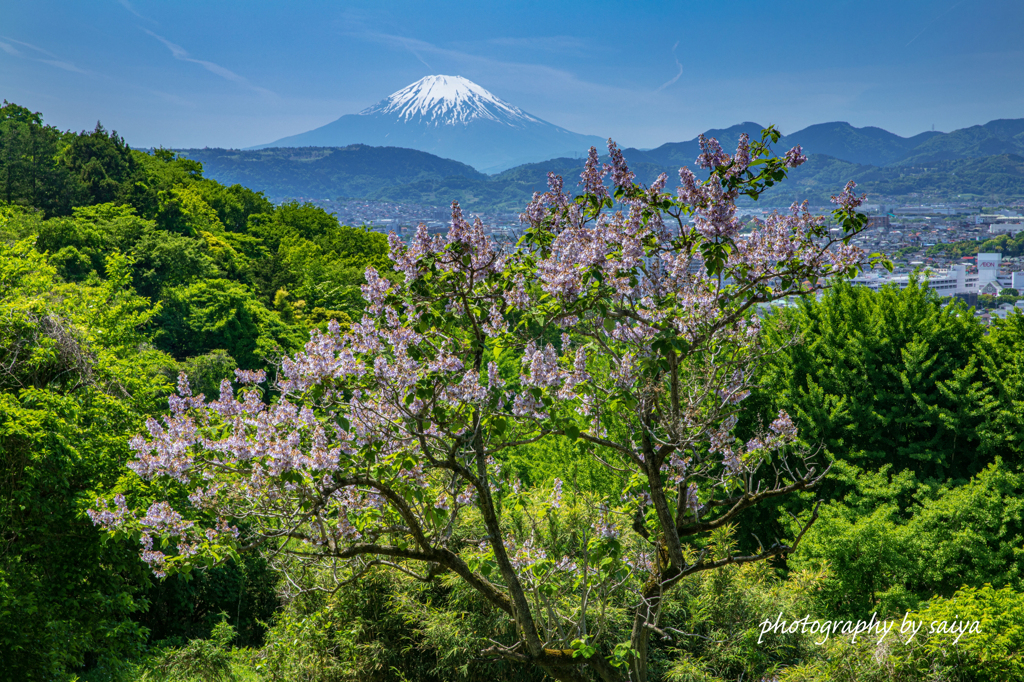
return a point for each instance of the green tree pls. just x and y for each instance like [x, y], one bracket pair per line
[884, 377]
[29, 172]
[166, 260]
[1002, 356]
[79, 244]
[893, 542]
[104, 164]
[221, 314]
[74, 385]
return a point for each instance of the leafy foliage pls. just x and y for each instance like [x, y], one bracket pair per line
[121, 269]
[381, 448]
[107, 256]
[881, 378]
[992, 653]
[888, 551]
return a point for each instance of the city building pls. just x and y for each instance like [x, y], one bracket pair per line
[1012, 229]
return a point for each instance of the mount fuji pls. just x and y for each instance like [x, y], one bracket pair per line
[451, 117]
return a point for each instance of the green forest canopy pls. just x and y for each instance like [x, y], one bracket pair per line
[120, 269]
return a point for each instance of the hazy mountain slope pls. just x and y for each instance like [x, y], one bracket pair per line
[325, 173]
[873, 146]
[1002, 136]
[840, 140]
[674, 155]
[935, 166]
[998, 177]
[995, 178]
[451, 117]
[534, 176]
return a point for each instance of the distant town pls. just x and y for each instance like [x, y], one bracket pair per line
[404, 218]
[906, 234]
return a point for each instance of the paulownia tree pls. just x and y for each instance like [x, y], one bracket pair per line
[624, 321]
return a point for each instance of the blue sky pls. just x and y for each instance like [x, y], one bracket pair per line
[227, 73]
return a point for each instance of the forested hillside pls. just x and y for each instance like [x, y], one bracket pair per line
[118, 271]
[356, 171]
[121, 270]
[980, 163]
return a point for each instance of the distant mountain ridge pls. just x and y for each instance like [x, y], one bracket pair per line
[1002, 136]
[869, 145]
[451, 117]
[940, 166]
[455, 118]
[866, 146]
[355, 171]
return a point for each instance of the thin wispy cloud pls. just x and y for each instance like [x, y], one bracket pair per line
[50, 58]
[10, 49]
[678, 75]
[128, 6]
[419, 57]
[546, 43]
[537, 73]
[67, 66]
[359, 25]
[32, 47]
[934, 19]
[181, 54]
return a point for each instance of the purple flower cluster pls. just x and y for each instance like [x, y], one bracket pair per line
[621, 175]
[848, 201]
[711, 153]
[781, 432]
[592, 178]
[795, 157]
[556, 494]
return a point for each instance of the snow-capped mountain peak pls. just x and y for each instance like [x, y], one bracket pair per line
[453, 118]
[448, 100]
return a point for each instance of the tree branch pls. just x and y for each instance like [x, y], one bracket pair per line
[750, 500]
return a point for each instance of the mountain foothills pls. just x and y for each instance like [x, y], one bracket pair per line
[121, 270]
[452, 117]
[356, 171]
[981, 163]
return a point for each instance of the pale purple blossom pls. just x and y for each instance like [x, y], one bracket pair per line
[556, 494]
[375, 290]
[593, 174]
[795, 157]
[494, 379]
[711, 154]
[847, 200]
[741, 160]
[621, 175]
[783, 425]
[517, 297]
[245, 376]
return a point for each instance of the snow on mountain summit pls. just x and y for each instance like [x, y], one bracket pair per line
[448, 100]
[453, 118]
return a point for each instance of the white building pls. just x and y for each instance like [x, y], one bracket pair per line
[1017, 281]
[956, 280]
[988, 267]
[1007, 309]
[1012, 229]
